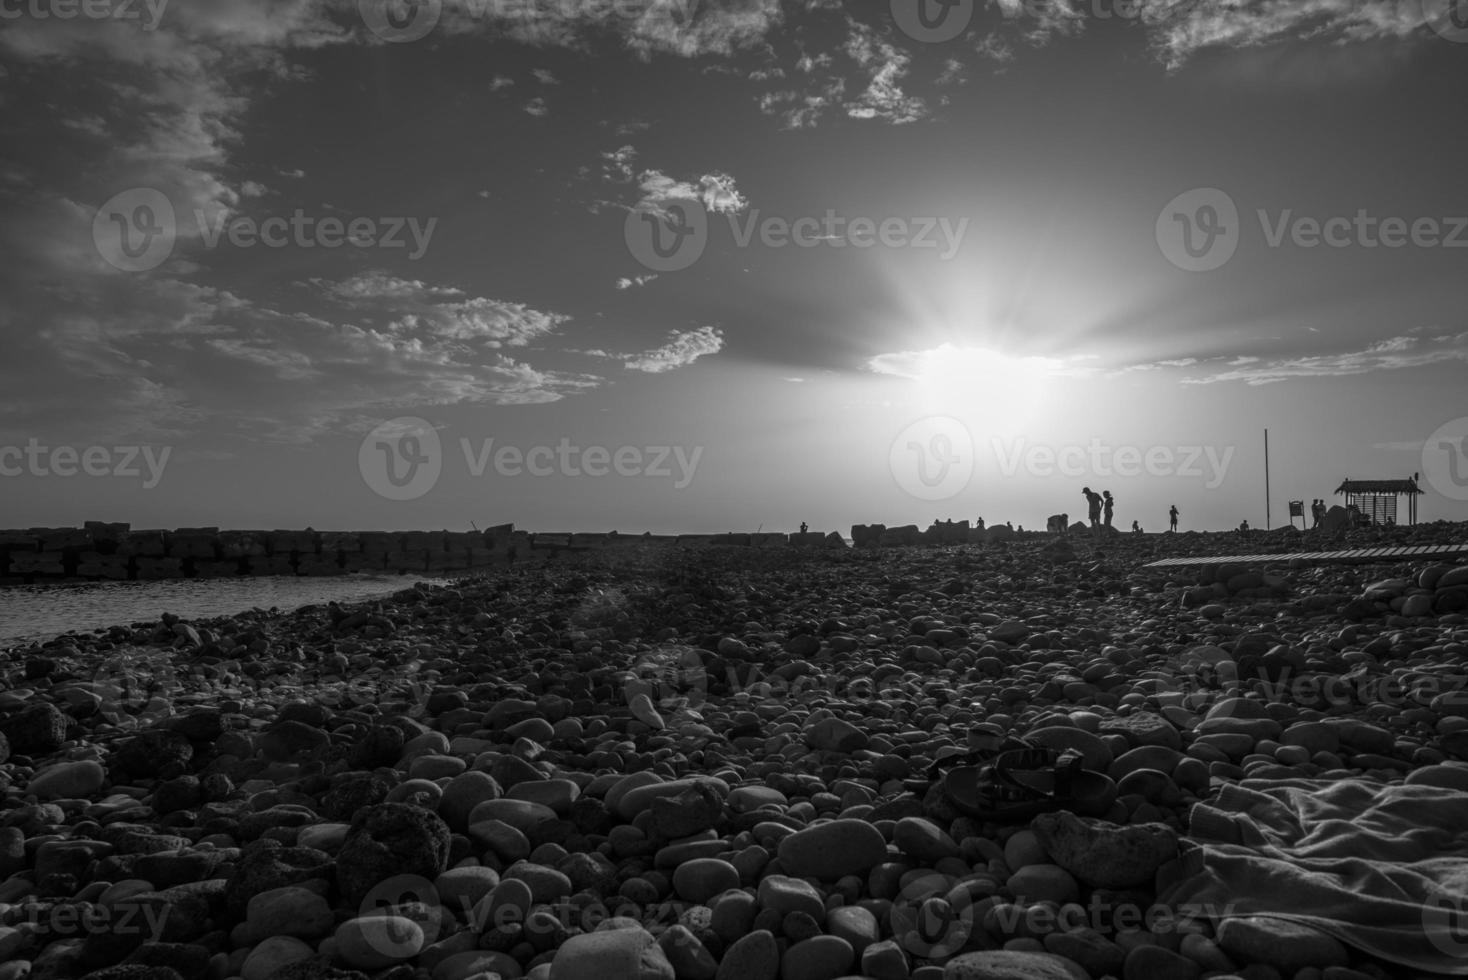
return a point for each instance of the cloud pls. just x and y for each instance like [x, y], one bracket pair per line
[617, 164]
[537, 107]
[625, 283]
[1184, 28]
[1392, 354]
[413, 307]
[715, 191]
[682, 349]
[952, 362]
[544, 77]
[687, 28]
[887, 66]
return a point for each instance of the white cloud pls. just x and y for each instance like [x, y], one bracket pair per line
[1392, 354]
[715, 191]
[682, 349]
[887, 66]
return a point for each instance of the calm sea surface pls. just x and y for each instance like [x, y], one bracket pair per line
[39, 612]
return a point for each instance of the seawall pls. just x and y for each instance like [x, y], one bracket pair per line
[115, 552]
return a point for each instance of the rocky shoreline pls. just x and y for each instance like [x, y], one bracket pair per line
[670, 763]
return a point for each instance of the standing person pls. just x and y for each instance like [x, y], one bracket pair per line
[1136, 528]
[1093, 505]
[1172, 517]
[1110, 505]
[1318, 510]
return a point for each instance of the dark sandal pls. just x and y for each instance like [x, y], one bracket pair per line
[1024, 783]
[984, 749]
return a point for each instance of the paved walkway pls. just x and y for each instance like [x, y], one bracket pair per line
[1398, 553]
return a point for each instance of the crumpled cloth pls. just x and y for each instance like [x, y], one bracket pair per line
[1383, 868]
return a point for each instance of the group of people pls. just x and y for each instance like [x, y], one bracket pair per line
[1100, 506]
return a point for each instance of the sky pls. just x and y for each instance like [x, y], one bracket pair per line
[710, 265]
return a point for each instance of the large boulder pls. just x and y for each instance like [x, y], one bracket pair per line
[624, 954]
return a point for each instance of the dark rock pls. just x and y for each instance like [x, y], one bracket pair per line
[264, 865]
[289, 740]
[153, 753]
[353, 791]
[390, 839]
[35, 730]
[382, 745]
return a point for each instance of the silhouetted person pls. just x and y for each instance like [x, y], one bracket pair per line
[1093, 505]
[1136, 528]
[804, 527]
[1109, 506]
[1244, 526]
[1317, 510]
[1172, 518]
[981, 524]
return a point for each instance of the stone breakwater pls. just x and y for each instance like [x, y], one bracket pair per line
[608, 767]
[99, 551]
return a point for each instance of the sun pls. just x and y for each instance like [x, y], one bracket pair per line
[1002, 390]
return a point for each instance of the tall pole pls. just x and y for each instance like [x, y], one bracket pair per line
[1267, 524]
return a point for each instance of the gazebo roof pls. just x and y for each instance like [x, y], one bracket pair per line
[1378, 486]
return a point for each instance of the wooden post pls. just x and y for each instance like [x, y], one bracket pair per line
[1267, 524]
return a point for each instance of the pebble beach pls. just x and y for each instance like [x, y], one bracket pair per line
[709, 764]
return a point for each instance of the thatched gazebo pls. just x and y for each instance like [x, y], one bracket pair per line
[1376, 500]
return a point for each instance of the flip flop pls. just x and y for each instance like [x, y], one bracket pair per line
[1023, 783]
[984, 745]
